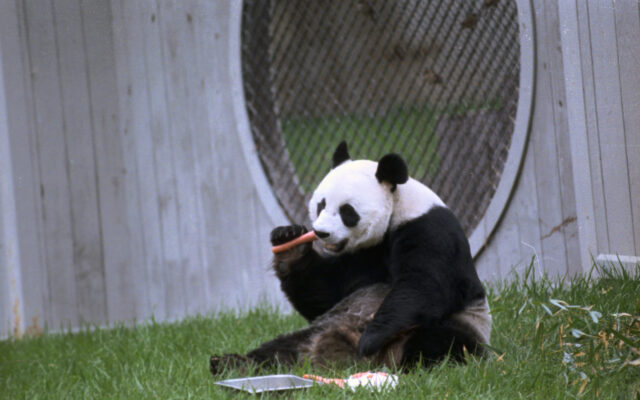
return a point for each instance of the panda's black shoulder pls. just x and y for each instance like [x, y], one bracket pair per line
[437, 242]
[437, 229]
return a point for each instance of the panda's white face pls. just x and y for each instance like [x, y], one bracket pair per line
[350, 209]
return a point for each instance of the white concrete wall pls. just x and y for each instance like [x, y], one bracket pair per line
[540, 218]
[136, 191]
[602, 76]
[130, 187]
[11, 308]
[578, 195]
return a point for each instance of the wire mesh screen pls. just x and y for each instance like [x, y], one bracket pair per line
[434, 81]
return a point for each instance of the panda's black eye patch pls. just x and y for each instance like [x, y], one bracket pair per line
[321, 206]
[349, 215]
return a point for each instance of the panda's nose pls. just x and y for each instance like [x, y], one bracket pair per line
[321, 235]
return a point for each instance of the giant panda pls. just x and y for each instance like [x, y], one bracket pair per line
[390, 281]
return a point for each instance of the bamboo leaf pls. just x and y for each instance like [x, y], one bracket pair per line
[577, 333]
[546, 309]
[635, 363]
[559, 303]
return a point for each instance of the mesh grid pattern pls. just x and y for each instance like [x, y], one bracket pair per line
[434, 81]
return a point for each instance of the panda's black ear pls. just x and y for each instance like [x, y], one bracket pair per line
[392, 169]
[341, 154]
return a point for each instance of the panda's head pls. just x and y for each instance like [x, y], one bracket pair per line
[351, 208]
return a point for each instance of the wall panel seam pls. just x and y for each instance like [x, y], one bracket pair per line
[597, 128]
[170, 135]
[95, 159]
[624, 129]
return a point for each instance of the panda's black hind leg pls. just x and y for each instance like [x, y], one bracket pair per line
[219, 364]
[431, 345]
[284, 349]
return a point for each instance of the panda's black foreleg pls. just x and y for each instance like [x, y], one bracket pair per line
[310, 282]
[430, 345]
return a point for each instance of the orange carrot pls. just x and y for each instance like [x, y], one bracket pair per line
[306, 238]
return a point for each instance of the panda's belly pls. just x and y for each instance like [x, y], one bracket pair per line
[360, 306]
[338, 332]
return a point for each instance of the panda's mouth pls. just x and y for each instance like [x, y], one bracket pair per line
[336, 248]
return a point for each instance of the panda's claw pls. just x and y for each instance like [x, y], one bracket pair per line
[284, 234]
[220, 364]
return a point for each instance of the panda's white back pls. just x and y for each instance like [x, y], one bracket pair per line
[411, 200]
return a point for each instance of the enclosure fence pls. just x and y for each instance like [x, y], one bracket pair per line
[434, 81]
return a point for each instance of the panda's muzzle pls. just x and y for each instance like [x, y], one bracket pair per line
[321, 234]
[336, 248]
[332, 247]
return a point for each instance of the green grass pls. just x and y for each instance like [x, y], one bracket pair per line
[551, 340]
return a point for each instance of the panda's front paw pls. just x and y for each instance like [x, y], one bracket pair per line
[284, 262]
[284, 234]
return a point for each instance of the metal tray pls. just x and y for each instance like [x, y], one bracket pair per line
[267, 383]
